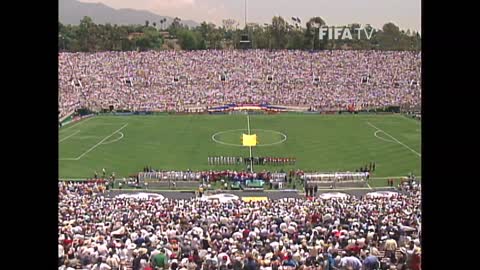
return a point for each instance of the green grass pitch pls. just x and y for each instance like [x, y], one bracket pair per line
[125, 144]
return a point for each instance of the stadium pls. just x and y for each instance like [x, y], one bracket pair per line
[238, 156]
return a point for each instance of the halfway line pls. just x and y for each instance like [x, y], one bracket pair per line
[251, 159]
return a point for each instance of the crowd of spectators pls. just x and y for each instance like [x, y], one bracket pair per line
[101, 232]
[213, 175]
[178, 80]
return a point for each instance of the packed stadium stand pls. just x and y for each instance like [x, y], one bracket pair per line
[100, 231]
[175, 80]
[131, 233]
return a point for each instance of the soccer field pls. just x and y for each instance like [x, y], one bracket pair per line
[126, 144]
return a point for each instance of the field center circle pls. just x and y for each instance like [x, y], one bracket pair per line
[215, 139]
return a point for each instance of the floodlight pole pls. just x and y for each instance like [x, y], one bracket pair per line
[245, 14]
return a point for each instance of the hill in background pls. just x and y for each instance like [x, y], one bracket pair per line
[72, 11]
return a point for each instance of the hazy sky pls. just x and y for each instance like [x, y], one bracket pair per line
[404, 13]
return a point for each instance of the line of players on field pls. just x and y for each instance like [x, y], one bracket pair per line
[221, 160]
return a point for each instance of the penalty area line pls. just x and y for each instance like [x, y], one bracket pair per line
[404, 145]
[251, 159]
[76, 124]
[100, 142]
[383, 139]
[117, 139]
[68, 136]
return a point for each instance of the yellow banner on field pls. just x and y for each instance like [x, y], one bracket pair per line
[249, 140]
[254, 199]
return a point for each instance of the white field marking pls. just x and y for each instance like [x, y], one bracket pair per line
[100, 142]
[117, 139]
[111, 124]
[224, 143]
[68, 136]
[404, 145]
[251, 159]
[74, 125]
[87, 137]
[67, 159]
[239, 145]
[279, 142]
[383, 139]
[369, 186]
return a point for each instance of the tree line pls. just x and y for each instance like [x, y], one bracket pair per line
[279, 34]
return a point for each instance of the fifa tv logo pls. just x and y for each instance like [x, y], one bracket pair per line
[343, 33]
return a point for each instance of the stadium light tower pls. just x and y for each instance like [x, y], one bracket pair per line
[245, 42]
[63, 41]
[245, 14]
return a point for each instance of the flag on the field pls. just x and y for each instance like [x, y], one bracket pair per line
[249, 140]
